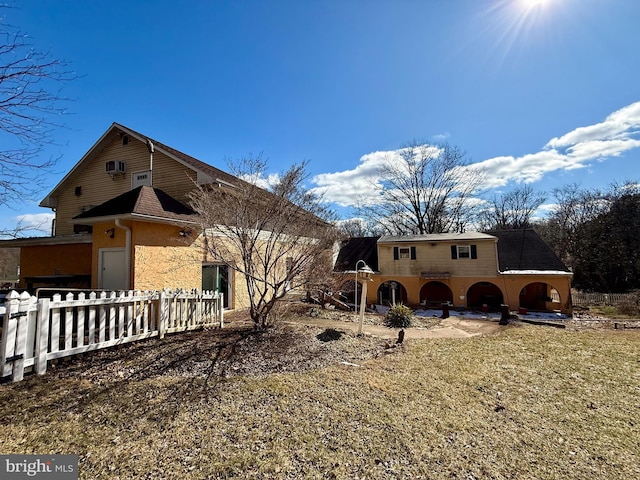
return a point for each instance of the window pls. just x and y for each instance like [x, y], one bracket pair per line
[404, 253]
[464, 251]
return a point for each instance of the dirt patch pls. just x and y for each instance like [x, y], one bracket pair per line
[297, 342]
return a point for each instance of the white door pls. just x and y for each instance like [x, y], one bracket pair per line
[113, 269]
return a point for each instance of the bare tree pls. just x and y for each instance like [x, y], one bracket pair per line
[358, 227]
[574, 207]
[30, 108]
[512, 210]
[279, 240]
[426, 189]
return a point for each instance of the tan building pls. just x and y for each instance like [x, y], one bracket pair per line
[122, 223]
[469, 270]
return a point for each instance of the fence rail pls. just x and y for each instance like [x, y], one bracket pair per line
[586, 299]
[36, 330]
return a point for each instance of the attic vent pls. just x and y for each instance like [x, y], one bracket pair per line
[115, 167]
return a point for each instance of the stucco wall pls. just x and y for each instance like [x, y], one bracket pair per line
[509, 287]
[158, 267]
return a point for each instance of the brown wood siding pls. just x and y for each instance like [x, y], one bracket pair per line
[437, 258]
[97, 187]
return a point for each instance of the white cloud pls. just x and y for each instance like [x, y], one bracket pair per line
[34, 222]
[619, 125]
[262, 182]
[618, 133]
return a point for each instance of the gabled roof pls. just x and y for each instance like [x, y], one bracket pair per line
[142, 203]
[205, 172]
[524, 250]
[354, 249]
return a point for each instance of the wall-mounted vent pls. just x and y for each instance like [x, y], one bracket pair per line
[115, 167]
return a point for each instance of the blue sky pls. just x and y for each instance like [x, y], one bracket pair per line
[541, 91]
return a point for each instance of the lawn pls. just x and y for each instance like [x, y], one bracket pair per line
[529, 402]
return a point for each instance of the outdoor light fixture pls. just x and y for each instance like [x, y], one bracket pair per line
[184, 233]
[365, 274]
[110, 232]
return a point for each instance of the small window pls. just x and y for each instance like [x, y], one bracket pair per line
[78, 191]
[464, 251]
[404, 253]
[125, 140]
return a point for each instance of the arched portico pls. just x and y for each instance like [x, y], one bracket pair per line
[435, 293]
[538, 295]
[391, 292]
[484, 293]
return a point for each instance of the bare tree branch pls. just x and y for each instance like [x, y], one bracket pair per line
[31, 107]
[512, 210]
[278, 240]
[426, 189]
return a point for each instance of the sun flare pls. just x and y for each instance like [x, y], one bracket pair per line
[529, 4]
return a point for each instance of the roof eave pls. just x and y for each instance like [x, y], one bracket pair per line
[132, 216]
[59, 240]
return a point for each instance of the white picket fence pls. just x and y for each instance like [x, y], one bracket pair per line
[586, 299]
[36, 330]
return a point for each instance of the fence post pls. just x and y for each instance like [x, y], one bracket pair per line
[162, 317]
[42, 337]
[22, 337]
[8, 344]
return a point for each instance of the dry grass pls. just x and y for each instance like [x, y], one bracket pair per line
[531, 402]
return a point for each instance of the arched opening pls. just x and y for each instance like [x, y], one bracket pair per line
[434, 294]
[536, 295]
[484, 293]
[392, 292]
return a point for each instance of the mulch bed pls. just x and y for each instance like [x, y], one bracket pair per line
[237, 349]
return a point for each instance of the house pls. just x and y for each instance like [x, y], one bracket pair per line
[472, 270]
[122, 222]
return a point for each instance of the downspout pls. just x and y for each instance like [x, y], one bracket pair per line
[151, 150]
[127, 251]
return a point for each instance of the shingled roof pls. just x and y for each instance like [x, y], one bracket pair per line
[525, 250]
[143, 203]
[357, 248]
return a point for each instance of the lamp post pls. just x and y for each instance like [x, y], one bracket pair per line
[355, 298]
[365, 273]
